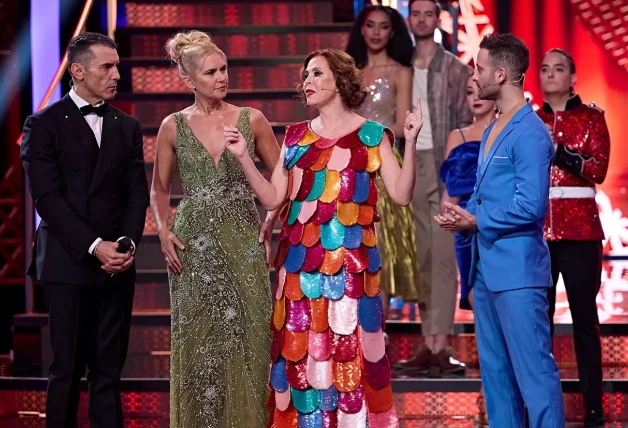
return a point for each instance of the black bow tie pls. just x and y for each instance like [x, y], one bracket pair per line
[101, 110]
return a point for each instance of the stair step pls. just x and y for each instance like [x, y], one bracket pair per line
[560, 329]
[151, 113]
[150, 345]
[232, 96]
[188, 13]
[146, 404]
[398, 385]
[240, 41]
[241, 30]
[233, 61]
[151, 297]
[166, 79]
[464, 329]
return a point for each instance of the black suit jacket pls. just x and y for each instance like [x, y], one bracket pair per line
[82, 192]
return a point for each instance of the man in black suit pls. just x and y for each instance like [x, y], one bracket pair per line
[85, 168]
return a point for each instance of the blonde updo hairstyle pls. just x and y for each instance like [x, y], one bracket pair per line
[189, 49]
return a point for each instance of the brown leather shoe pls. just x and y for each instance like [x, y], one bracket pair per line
[445, 362]
[481, 418]
[419, 363]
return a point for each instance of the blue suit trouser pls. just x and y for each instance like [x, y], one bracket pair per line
[516, 361]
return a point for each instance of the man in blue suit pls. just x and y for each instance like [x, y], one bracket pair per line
[510, 259]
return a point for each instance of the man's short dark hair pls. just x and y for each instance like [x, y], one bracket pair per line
[507, 51]
[79, 49]
[436, 5]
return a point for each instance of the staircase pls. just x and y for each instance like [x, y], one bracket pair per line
[265, 42]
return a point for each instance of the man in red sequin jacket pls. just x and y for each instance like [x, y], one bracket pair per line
[572, 228]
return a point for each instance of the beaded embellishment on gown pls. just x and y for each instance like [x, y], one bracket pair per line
[396, 237]
[221, 301]
[329, 362]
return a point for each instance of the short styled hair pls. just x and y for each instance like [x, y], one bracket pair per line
[570, 61]
[348, 76]
[507, 51]
[80, 47]
[439, 8]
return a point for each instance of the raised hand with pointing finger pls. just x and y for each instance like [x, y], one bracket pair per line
[413, 123]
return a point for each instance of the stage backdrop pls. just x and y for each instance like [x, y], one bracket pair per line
[595, 33]
[596, 36]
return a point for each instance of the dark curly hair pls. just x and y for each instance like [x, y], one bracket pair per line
[399, 47]
[348, 76]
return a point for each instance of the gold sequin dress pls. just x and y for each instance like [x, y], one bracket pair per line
[395, 238]
[221, 301]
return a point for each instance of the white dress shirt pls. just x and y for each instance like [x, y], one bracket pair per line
[419, 89]
[93, 120]
[95, 123]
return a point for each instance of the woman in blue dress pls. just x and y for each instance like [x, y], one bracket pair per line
[459, 171]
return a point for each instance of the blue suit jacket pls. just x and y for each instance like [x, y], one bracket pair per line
[510, 204]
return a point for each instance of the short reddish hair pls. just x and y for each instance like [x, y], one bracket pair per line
[348, 76]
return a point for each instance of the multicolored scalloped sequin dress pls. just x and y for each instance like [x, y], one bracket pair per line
[329, 366]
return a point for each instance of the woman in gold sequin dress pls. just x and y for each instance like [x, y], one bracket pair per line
[382, 48]
[329, 363]
[217, 268]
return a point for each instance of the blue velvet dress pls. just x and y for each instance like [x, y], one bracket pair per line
[459, 173]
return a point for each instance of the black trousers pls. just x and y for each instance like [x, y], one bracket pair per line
[89, 328]
[580, 263]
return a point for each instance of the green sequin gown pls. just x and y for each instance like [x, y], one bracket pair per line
[221, 301]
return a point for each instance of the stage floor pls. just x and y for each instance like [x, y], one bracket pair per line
[164, 423]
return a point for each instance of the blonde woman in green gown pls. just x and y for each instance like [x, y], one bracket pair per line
[217, 265]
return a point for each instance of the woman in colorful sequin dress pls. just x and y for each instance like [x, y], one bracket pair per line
[329, 366]
[382, 48]
[219, 281]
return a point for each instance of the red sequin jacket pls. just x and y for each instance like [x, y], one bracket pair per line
[583, 148]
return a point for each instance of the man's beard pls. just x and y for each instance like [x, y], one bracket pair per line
[490, 91]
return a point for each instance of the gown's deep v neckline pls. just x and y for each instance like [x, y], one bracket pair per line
[215, 162]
